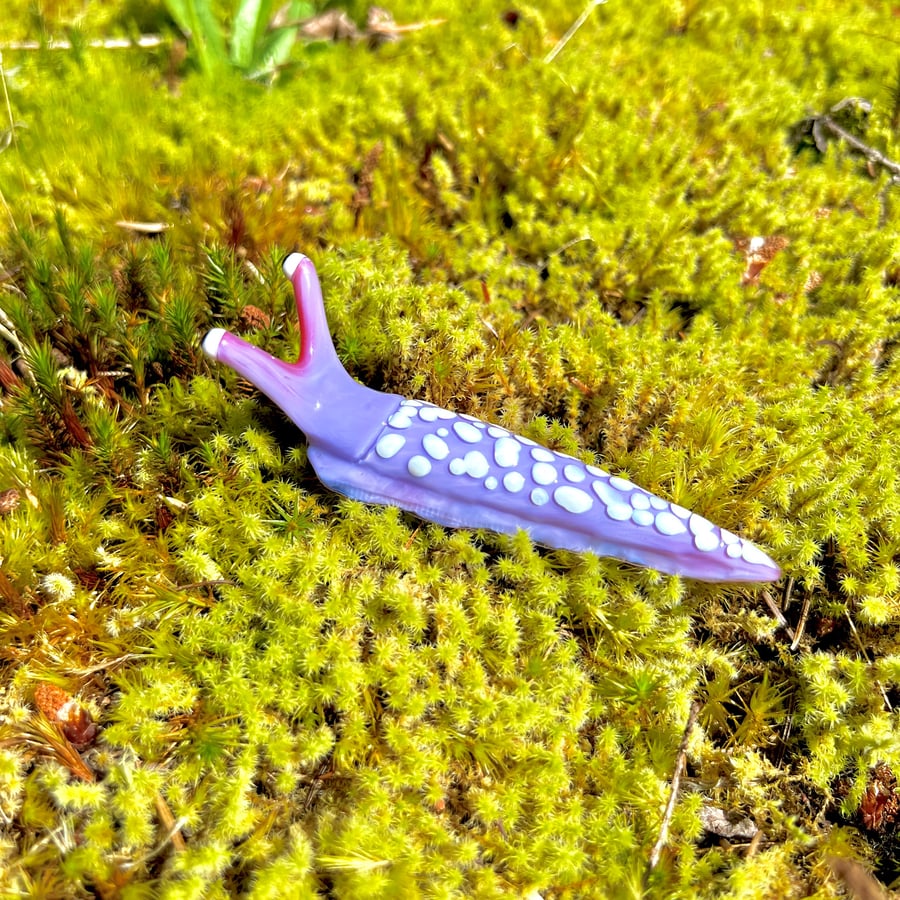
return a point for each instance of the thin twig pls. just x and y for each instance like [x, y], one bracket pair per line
[571, 32]
[870, 153]
[144, 41]
[754, 844]
[865, 656]
[801, 622]
[108, 664]
[7, 328]
[9, 115]
[172, 825]
[12, 135]
[786, 730]
[777, 613]
[213, 582]
[680, 763]
[786, 596]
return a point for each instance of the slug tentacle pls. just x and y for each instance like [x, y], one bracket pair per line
[316, 392]
[458, 471]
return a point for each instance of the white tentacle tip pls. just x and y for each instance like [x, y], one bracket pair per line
[211, 342]
[291, 261]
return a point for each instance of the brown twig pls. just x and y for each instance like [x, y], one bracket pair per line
[365, 182]
[865, 655]
[680, 763]
[788, 593]
[171, 825]
[870, 153]
[777, 613]
[801, 622]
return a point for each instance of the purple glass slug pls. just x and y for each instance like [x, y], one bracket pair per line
[458, 471]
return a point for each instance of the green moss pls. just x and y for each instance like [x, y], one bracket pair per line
[294, 688]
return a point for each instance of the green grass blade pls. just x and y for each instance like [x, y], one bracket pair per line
[275, 46]
[197, 20]
[208, 36]
[249, 20]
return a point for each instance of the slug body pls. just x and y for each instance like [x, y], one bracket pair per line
[459, 471]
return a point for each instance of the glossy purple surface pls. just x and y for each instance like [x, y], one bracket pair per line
[459, 471]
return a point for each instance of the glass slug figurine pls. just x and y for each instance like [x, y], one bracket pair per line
[458, 471]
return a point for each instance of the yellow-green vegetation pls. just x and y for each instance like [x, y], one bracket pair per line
[303, 696]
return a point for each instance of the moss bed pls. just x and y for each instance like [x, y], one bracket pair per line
[217, 679]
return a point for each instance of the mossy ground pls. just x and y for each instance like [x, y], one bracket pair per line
[305, 696]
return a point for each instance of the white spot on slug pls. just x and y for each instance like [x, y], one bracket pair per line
[706, 541]
[573, 499]
[473, 463]
[476, 464]
[506, 452]
[640, 501]
[752, 554]
[418, 466]
[666, 523]
[513, 482]
[539, 496]
[543, 473]
[435, 447]
[699, 525]
[389, 445]
[642, 517]
[542, 455]
[619, 511]
[400, 420]
[606, 494]
[574, 473]
[466, 432]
